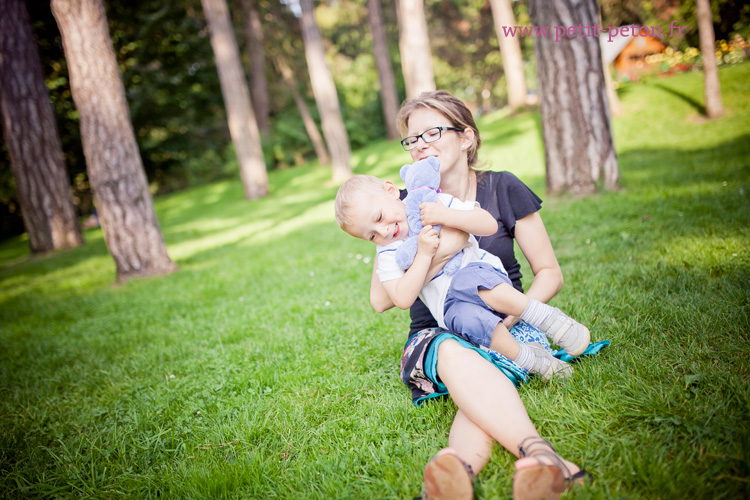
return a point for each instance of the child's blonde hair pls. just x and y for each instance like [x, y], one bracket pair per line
[350, 194]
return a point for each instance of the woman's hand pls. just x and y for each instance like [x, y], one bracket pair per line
[478, 221]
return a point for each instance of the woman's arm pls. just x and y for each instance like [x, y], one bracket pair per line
[534, 242]
[478, 222]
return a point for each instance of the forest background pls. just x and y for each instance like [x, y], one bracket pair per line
[173, 90]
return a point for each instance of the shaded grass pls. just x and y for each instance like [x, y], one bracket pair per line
[259, 371]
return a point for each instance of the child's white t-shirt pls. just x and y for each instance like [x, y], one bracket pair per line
[433, 293]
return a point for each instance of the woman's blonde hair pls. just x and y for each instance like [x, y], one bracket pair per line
[448, 105]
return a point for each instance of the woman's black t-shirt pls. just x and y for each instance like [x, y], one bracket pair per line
[508, 199]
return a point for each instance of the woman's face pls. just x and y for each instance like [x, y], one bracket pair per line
[450, 149]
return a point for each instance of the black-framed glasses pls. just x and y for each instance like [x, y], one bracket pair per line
[430, 135]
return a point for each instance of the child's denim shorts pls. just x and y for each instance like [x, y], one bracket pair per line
[465, 311]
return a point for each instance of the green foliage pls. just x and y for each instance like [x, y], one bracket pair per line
[287, 144]
[466, 55]
[260, 371]
[346, 30]
[172, 86]
[730, 17]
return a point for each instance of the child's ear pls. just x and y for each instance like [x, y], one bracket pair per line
[391, 189]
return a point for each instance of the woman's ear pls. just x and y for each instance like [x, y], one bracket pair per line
[467, 138]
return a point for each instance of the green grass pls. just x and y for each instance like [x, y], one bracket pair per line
[259, 370]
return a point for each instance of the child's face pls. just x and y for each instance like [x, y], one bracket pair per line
[380, 217]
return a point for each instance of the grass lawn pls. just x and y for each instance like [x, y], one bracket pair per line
[260, 371]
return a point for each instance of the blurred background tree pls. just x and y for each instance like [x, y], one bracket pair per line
[113, 161]
[257, 65]
[326, 95]
[31, 137]
[243, 126]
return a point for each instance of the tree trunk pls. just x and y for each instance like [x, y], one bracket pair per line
[575, 114]
[258, 80]
[31, 136]
[414, 45]
[242, 125]
[510, 48]
[388, 94]
[319, 145]
[615, 108]
[712, 89]
[114, 165]
[326, 97]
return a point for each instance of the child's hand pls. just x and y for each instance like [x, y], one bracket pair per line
[433, 213]
[428, 241]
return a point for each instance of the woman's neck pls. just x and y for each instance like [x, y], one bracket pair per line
[461, 184]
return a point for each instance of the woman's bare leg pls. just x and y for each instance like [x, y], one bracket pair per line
[484, 395]
[489, 407]
[470, 441]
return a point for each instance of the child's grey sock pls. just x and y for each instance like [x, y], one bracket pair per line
[526, 358]
[561, 329]
[536, 313]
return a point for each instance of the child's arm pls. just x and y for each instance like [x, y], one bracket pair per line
[379, 298]
[405, 290]
[478, 222]
[452, 241]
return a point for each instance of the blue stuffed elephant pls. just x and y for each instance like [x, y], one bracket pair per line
[422, 179]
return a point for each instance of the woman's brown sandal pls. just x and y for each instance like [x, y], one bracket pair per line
[545, 481]
[447, 477]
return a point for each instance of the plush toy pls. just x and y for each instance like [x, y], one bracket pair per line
[422, 180]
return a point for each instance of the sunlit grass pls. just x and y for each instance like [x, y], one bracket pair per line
[259, 370]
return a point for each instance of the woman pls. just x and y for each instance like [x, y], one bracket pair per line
[435, 363]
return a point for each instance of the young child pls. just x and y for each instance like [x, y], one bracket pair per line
[474, 300]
